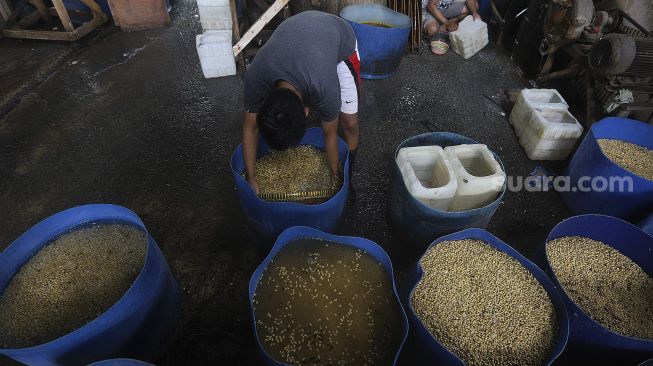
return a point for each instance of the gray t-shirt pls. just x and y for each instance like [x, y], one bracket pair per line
[304, 51]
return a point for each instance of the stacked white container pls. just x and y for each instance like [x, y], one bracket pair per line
[216, 53]
[428, 175]
[543, 124]
[215, 14]
[470, 37]
[479, 176]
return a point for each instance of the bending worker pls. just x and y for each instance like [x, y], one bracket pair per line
[310, 63]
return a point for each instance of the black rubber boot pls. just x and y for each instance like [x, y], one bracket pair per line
[352, 191]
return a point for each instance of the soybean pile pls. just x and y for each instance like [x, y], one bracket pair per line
[483, 306]
[295, 170]
[634, 158]
[608, 286]
[70, 282]
[324, 303]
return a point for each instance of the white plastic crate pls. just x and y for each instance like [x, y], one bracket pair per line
[530, 100]
[549, 134]
[428, 175]
[215, 14]
[215, 51]
[479, 176]
[470, 37]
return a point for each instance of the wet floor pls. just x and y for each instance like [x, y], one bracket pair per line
[127, 118]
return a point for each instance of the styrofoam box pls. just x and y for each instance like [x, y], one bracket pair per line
[215, 14]
[530, 100]
[479, 176]
[428, 175]
[215, 51]
[470, 37]
[549, 134]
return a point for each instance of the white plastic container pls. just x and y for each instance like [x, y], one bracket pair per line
[428, 175]
[216, 53]
[470, 37]
[479, 176]
[530, 100]
[549, 134]
[215, 14]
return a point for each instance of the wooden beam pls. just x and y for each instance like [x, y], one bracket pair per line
[42, 9]
[63, 15]
[5, 10]
[95, 7]
[75, 35]
[272, 11]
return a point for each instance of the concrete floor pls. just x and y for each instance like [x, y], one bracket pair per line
[128, 119]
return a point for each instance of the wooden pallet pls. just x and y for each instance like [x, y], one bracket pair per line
[44, 13]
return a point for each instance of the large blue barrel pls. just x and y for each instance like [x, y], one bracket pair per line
[647, 225]
[420, 224]
[267, 220]
[380, 49]
[134, 326]
[121, 362]
[296, 233]
[590, 342]
[589, 161]
[429, 350]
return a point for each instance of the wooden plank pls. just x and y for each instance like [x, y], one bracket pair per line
[42, 9]
[5, 10]
[63, 15]
[95, 7]
[272, 11]
[44, 35]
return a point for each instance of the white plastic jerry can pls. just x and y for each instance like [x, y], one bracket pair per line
[470, 37]
[215, 14]
[550, 134]
[428, 176]
[215, 51]
[479, 176]
[530, 100]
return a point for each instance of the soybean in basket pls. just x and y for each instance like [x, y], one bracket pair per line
[325, 303]
[484, 306]
[70, 282]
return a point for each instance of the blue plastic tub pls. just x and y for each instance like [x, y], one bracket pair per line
[121, 362]
[647, 225]
[420, 224]
[590, 342]
[296, 233]
[430, 351]
[589, 161]
[380, 49]
[134, 326]
[267, 220]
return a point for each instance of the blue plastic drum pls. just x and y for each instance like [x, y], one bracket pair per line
[296, 233]
[647, 225]
[267, 220]
[135, 326]
[429, 350]
[589, 161]
[380, 49]
[418, 223]
[590, 342]
[121, 362]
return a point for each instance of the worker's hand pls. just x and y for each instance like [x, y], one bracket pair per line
[451, 26]
[252, 182]
[476, 16]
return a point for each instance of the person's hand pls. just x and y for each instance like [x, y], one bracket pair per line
[476, 16]
[252, 182]
[451, 26]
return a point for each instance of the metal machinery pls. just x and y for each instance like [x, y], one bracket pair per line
[611, 57]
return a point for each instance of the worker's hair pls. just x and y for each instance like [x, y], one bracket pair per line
[281, 120]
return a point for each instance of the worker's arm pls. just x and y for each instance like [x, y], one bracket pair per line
[250, 145]
[433, 9]
[472, 7]
[330, 130]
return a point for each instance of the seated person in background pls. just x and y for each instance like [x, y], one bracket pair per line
[442, 16]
